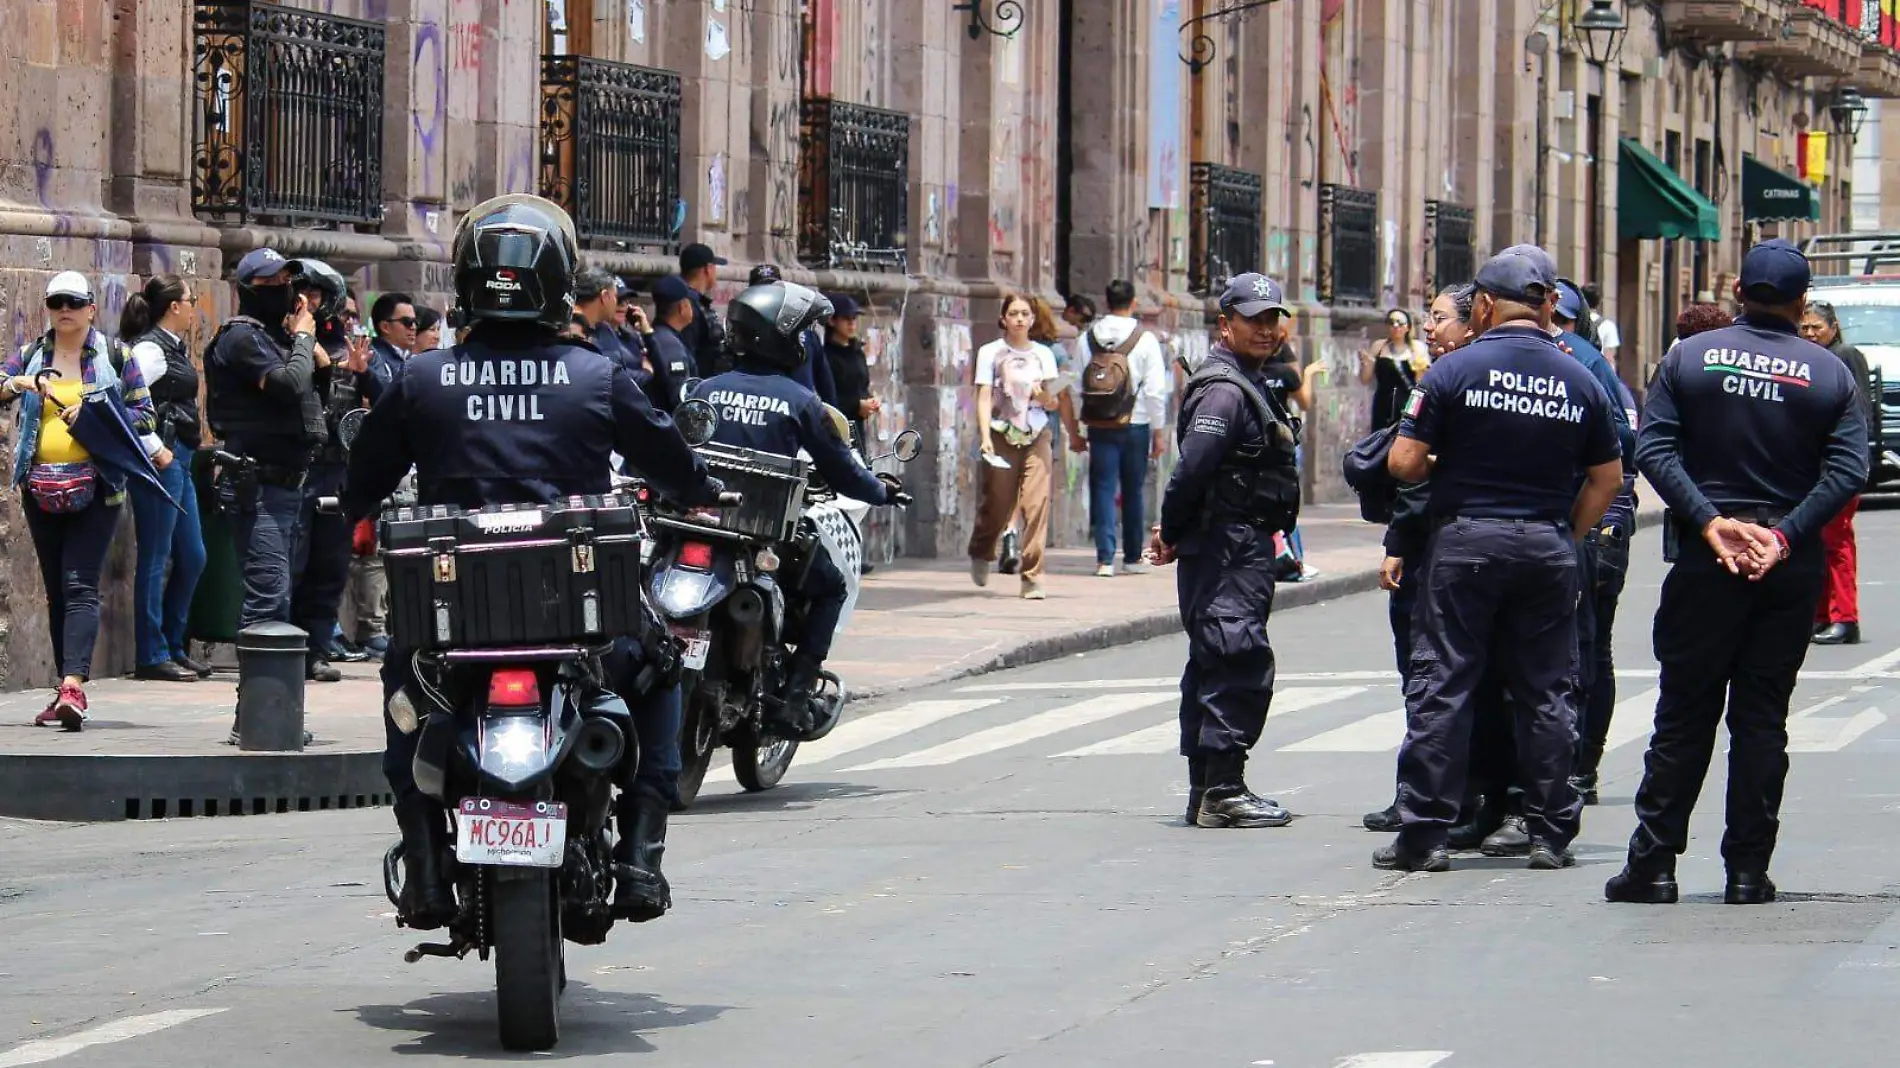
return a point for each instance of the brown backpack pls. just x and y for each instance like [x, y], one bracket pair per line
[1108, 385]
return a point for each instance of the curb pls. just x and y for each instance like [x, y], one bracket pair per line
[109, 788]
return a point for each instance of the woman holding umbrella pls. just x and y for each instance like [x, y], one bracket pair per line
[70, 497]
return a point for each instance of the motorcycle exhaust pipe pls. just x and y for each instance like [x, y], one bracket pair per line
[600, 745]
[746, 607]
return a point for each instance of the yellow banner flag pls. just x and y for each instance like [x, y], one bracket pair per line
[1814, 156]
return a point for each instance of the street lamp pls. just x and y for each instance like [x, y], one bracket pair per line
[1848, 109]
[1600, 31]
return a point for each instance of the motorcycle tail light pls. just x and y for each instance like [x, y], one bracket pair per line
[514, 688]
[696, 554]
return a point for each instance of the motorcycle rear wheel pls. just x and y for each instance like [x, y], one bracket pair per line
[530, 966]
[759, 766]
[699, 740]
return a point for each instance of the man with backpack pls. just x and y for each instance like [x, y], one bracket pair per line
[1122, 380]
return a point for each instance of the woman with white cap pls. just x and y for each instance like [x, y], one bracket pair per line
[71, 504]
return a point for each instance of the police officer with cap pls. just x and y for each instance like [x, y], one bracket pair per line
[1235, 485]
[1754, 438]
[761, 406]
[261, 378]
[516, 415]
[1507, 430]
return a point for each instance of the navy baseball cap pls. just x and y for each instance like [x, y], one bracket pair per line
[1775, 272]
[259, 263]
[695, 256]
[1569, 302]
[1523, 273]
[842, 306]
[765, 274]
[1250, 294]
[670, 290]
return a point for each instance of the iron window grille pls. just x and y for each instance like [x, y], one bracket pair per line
[288, 114]
[610, 150]
[1224, 209]
[854, 186]
[1448, 228]
[1348, 245]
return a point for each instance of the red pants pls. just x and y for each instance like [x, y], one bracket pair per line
[1840, 599]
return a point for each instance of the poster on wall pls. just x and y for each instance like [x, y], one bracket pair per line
[1164, 108]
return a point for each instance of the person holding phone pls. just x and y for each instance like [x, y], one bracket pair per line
[262, 402]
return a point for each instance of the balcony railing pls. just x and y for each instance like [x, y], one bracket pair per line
[288, 114]
[610, 150]
[1348, 245]
[1811, 43]
[854, 186]
[1724, 20]
[1224, 228]
[1448, 229]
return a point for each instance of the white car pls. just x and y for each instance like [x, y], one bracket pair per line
[1859, 274]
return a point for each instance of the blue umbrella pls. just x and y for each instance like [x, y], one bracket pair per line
[104, 428]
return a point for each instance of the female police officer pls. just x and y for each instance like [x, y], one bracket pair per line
[514, 268]
[1236, 484]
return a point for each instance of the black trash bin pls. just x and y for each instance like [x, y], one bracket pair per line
[272, 660]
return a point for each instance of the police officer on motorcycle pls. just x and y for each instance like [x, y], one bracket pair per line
[515, 258]
[761, 406]
[1236, 485]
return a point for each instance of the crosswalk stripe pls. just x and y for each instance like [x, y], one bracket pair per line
[1809, 733]
[1083, 685]
[1054, 721]
[851, 736]
[1374, 734]
[1412, 1058]
[1632, 719]
[1166, 737]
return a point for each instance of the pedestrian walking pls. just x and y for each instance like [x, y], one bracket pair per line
[1515, 426]
[1012, 376]
[70, 501]
[1234, 487]
[171, 550]
[1837, 616]
[1122, 382]
[1754, 438]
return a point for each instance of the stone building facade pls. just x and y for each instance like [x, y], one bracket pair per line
[920, 157]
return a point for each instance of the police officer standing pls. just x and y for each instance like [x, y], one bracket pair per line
[761, 406]
[1754, 438]
[1235, 485]
[260, 392]
[468, 453]
[1516, 425]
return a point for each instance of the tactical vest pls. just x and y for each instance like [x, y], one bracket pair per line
[176, 394]
[1258, 482]
[242, 413]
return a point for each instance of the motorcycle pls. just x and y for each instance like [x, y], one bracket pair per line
[721, 583]
[520, 735]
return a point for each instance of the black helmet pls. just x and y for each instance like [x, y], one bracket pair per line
[307, 273]
[765, 322]
[515, 257]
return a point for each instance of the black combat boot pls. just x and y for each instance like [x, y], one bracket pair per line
[1197, 787]
[1388, 820]
[428, 902]
[1228, 802]
[1638, 884]
[1485, 818]
[640, 890]
[1589, 755]
[795, 716]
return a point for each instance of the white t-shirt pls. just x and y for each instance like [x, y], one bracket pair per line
[1608, 336]
[1007, 405]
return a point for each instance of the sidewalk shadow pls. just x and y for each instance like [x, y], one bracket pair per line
[593, 1022]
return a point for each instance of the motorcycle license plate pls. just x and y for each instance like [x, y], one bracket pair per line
[698, 644]
[510, 834]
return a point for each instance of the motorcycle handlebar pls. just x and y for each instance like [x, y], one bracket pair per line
[329, 506]
[731, 499]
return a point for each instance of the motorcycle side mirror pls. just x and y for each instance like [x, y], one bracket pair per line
[350, 425]
[689, 387]
[908, 446]
[696, 421]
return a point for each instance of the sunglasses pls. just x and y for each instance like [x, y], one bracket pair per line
[407, 320]
[63, 302]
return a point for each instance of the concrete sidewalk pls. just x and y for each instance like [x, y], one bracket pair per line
[917, 622]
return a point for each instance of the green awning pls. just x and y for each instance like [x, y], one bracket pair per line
[1768, 195]
[1652, 201]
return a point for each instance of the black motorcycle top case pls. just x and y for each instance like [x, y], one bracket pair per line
[513, 575]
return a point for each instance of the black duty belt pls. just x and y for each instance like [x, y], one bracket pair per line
[285, 477]
[1518, 523]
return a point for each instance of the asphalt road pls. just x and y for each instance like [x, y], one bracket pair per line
[994, 873]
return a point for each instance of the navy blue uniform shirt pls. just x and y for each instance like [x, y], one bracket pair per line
[514, 416]
[1752, 416]
[772, 413]
[1622, 510]
[1214, 420]
[1514, 422]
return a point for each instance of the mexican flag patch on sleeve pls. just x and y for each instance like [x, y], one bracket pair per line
[1415, 403]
